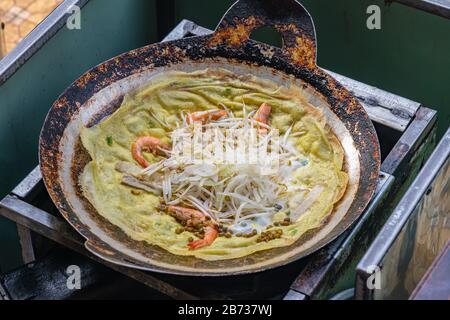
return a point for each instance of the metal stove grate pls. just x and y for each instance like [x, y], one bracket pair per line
[406, 133]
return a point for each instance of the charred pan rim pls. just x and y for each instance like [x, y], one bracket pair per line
[341, 102]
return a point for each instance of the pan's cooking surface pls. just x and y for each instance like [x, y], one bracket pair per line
[100, 90]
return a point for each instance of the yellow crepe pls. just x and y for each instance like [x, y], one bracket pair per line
[164, 97]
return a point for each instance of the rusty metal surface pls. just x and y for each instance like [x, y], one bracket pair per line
[231, 43]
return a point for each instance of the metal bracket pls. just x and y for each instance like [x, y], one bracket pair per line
[330, 260]
[16, 208]
[437, 7]
[58, 230]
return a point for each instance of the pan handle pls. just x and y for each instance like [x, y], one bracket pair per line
[288, 17]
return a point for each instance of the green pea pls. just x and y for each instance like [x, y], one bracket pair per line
[109, 140]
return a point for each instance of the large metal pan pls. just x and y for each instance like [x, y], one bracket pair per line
[99, 92]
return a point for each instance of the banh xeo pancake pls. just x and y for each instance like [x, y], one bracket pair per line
[178, 205]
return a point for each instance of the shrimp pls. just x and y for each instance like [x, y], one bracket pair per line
[204, 116]
[262, 115]
[147, 144]
[197, 219]
[211, 234]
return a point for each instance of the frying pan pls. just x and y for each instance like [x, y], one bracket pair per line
[99, 92]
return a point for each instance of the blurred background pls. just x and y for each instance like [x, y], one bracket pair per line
[409, 56]
[19, 17]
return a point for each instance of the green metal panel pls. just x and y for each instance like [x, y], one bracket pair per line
[108, 27]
